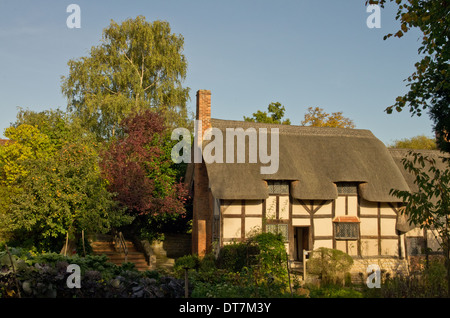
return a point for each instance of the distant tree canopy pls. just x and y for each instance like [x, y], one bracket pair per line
[417, 142]
[274, 115]
[138, 66]
[316, 117]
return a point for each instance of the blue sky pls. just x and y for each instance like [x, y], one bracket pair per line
[249, 53]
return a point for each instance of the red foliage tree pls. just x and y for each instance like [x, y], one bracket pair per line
[139, 168]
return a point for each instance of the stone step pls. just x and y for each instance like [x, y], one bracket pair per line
[117, 256]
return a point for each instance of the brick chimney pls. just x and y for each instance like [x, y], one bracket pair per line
[203, 212]
[204, 108]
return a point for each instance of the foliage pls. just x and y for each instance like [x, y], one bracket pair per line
[25, 143]
[316, 117]
[138, 66]
[272, 258]
[429, 206]
[236, 256]
[46, 276]
[53, 181]
[417, 142]
[186, 262]
[265, 253]
[276, 111]
[139, 168]
[254, 268]
[329, 264]
[429, 85]
[334, 291]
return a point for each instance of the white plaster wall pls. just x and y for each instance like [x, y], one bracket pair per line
[231, 228]
[323, 227]
[234, 208]
[253, 207]
[298, 209]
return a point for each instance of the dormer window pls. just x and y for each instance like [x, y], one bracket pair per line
[278, 187]
[347, 188]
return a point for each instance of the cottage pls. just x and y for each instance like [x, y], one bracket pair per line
[331, 190]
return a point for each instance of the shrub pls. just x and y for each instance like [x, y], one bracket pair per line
[46, 275]
[271, 259]
[333, 291]
[253, 268]
[234, 257]
[329, 265]
[187, 261]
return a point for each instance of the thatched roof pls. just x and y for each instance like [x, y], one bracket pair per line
[314, 159]
[399, 154]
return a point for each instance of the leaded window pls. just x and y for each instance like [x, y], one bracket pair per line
[279, 229]
[346, 231]
[347, 188]
[278, 187]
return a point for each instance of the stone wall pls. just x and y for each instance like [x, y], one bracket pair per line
[177, 245]
[162, 254]
[388, 265]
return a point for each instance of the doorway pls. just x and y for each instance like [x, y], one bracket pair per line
[301, 241]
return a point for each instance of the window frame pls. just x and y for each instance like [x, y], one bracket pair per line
[284, 233]
[278, 187]
[338, 232]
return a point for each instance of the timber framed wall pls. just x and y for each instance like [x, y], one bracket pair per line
[377, 235]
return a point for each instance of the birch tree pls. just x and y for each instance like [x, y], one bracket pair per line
[139, 65]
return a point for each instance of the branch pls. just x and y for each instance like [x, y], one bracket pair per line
[131, 62]
[110, 90]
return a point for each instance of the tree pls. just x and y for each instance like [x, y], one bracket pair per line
[429, 206]
[276, 111]
[417, 142]
[316, 117]
[25, 143]
[138, 66]
[429, 85]
[54, 184]
[139, 168]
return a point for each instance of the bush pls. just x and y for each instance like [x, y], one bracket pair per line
[187, 261]
[254, 268]
[234, 257]
[272, 258]
[329, 265]
[333, 291]
[46, 276]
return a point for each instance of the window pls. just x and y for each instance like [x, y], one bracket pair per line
[347, 188]
[346, 231]
[346, 228]
[279, 228]
[278, 187]
[415, 245]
